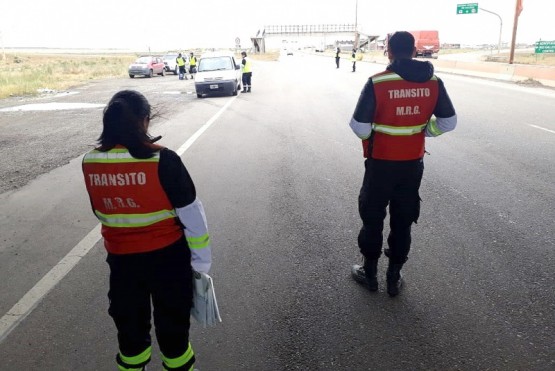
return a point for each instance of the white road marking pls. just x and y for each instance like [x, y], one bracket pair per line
[539, 127]
[31, 299]
[51, 107]
[203, 128]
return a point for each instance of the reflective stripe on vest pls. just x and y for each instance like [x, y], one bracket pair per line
[116, 155]
[134, 220]
[391, 77]
[398, 130]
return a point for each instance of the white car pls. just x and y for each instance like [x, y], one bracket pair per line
[218, 72]
[171, 64]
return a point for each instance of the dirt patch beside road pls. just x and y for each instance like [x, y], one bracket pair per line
[35, 142]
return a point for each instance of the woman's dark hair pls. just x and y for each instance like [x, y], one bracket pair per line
[123, 124]
[401, 45]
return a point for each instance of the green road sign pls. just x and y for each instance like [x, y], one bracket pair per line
[470, 8]
[545, 47]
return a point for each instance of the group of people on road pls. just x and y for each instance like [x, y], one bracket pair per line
[355, 56]
[181, 62]
[246, 66]
[154, 226]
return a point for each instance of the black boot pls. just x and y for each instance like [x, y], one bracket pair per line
[394, 278]
[244, 89]
[249, 89]
[366, 274]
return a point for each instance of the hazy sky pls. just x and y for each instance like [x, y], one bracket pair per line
[140, 24]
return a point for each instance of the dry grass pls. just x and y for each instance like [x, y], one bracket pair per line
[522, 58]
[25, 74]
[269, 56]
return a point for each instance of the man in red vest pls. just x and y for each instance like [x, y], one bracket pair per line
[392, 117]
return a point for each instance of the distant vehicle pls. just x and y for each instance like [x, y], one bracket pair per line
[289, 51]
[170, 65]
[147, 66]
[217, 72]
[426, 43]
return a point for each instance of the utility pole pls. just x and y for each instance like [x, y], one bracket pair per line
[356, 14]
[518, 9]
[500, 27]
[357, 35]
[3, 50]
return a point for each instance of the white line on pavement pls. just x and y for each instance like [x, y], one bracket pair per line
[203, 128]
[539, 127]
[545, 92]
[31, 299]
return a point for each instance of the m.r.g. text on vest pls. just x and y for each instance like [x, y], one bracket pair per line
[409, 93]
[407, 110]
[119, 179]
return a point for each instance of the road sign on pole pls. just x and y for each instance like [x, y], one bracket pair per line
[545, 47]
[470, 8]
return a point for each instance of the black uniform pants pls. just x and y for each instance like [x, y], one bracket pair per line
[394, 184]
[164, 277]
[246, 79]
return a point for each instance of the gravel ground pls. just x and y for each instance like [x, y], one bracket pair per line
[35, 142]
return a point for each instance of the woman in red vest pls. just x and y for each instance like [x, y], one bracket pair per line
[154, 230]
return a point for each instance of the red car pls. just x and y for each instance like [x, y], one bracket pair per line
[147, 66]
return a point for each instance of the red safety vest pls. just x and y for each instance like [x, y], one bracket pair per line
[128, 199]
[403, 108]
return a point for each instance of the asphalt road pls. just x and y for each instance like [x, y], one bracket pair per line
[278, 171]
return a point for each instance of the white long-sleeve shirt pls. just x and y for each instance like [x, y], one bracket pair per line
[196, 231]
[179, 187]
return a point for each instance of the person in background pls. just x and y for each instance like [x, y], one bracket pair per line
[247, 73]
[392, 117]
[337, 57]
[181, 64]
[354, 59]
[155, 232]
[192, 65]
